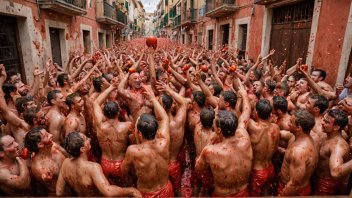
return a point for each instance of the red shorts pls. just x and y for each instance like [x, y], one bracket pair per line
[166, 191]
[175, 174]
[111, 167]
[304, 191]
[326, 186]
[243, 193]
[259, 178]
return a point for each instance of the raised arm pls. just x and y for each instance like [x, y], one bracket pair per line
[122, 85]
[212, 100]
[190, 84]
[214, 72]
[79, 69]
[246, 107]
[36, 82]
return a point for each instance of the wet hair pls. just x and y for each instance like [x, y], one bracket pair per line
[280, 103]
[227, 122]
[73, 144]
[10, 73]
[97, 83]
[322, 73]
[285, 88]
[217, 89]
[52, 95]
[147, 125]
[207, 116]
[167, 101]
[21, 102]
[32, 139]
[340, 117]
[257, 74]
[61, 78]
[30, 114]
[8, 89]
[158, 73]
[263, 108]
[107, 77]
[271, 85]
[230, 97]
[111, 109]
[199, 97]
[70, 99]
[305, 120]
[321, 102]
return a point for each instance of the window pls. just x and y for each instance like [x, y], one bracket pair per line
[86, 41]
[101, 40]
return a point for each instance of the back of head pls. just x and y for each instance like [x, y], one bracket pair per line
[305, 120]
[97, 83]
[227, 122]
[148, 126]
[280, 103]
[167, 101]
[271, 84]
[217, 89]
[29, 115]
[73, 144]
[21, 101]
[32, 139]
[230, 97]
[61, 78]
[52, 95]
[70, 99]
[207, 116]
[340, 117]
[8, 89]
[199, 97]
[321, 102]
[2, 135]
[263, 108]
[111, 109]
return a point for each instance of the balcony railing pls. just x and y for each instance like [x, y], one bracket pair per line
[107, 14]
[220, 8]
[177, 21]
[121, 17]
[265, 2]
[190, 16]
[68, 7]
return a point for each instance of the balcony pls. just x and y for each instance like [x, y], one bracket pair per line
[177, 21]
[107, 14]
[67, 7]
[220, 8]
[121, 17]
[267, 2]
[189, 17]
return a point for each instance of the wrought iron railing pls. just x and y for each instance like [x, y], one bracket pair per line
[109, 11]
[213, 4]
[121, 17]
[78, 3]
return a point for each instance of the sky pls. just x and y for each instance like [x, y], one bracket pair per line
[149, 5]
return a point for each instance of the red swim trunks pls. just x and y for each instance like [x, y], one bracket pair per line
[243, 193]
[166, 191]
[326, 186]
[304, 191]
[111, 167]
[260, 179]
[175, 174]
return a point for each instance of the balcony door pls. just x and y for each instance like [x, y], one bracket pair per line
[55, 45]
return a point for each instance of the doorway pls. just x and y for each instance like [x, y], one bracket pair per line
[55, 45]
[225, 32]
[210, 39]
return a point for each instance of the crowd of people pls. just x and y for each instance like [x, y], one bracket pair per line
[137, 121]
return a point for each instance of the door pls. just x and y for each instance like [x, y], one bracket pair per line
[290, 32]
[225, 34]
[210, 39]
[55, 45]
[9, 45]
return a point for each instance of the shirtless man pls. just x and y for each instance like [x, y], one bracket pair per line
[280, 105]
[335, 163]
[84, 177]
[203, 136]
[177, 131]
[56, 118]
[198, 102]
[112, 135]
[227, 101]
[264, 137]
[48, 158]
[301, 157]
[150, 159]
[231, 173]
[14, 174]
[300, 97]
[75, 120]
[317, 104]
[135, 97]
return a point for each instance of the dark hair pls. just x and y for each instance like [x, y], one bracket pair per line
[8, 89]
[97, 82]
[52, 95]
[107, 77]
[263, 108]
[147, 125]
[21, 102]
[305, 120]
[1, 145]
[230, 97]
[9, 73]
[158, 73]
[285, 88]
[271, 85]
[217, 89]
[227, 122]
[167, 101]
[70, 99]
[73, 144]
[199, 97]
[322, 73]
[111, 109]
[32, 139]
[29, 115]
[321, 102]
[280, 103]
[207, 116]
[340, 117]
[61, 78]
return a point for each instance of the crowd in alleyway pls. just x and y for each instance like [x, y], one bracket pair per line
[177, 120]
